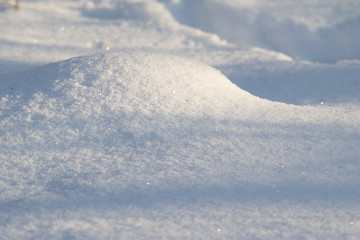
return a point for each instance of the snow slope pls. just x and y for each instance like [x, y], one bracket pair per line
[140, 136]
[322, 30]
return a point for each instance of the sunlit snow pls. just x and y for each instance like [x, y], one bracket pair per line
[180, 119]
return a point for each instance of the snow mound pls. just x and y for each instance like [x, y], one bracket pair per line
[70, 116]
[137, 137]
[127, 82]
[107, 98]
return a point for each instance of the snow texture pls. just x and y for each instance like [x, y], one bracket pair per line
[179, 119]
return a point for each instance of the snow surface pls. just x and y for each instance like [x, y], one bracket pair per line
[179, 119]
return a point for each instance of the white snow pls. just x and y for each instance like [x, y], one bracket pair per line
[179, 119]
[321, 30]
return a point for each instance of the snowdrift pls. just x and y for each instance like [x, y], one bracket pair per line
[141, 82]
[96, 97]
[131, 108]
[133, 116]
[144, 145]
[136, 143]
[319, 31]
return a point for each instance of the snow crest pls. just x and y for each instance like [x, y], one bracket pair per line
[130, 82]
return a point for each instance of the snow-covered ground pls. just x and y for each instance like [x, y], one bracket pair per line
[180, 119]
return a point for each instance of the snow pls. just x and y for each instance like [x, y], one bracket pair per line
[322, 30]
[177, 119]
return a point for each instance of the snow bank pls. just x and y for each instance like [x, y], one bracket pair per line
[49, 31]
[121, 103]
[101, 114]
[145, 83]
[320, 31]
